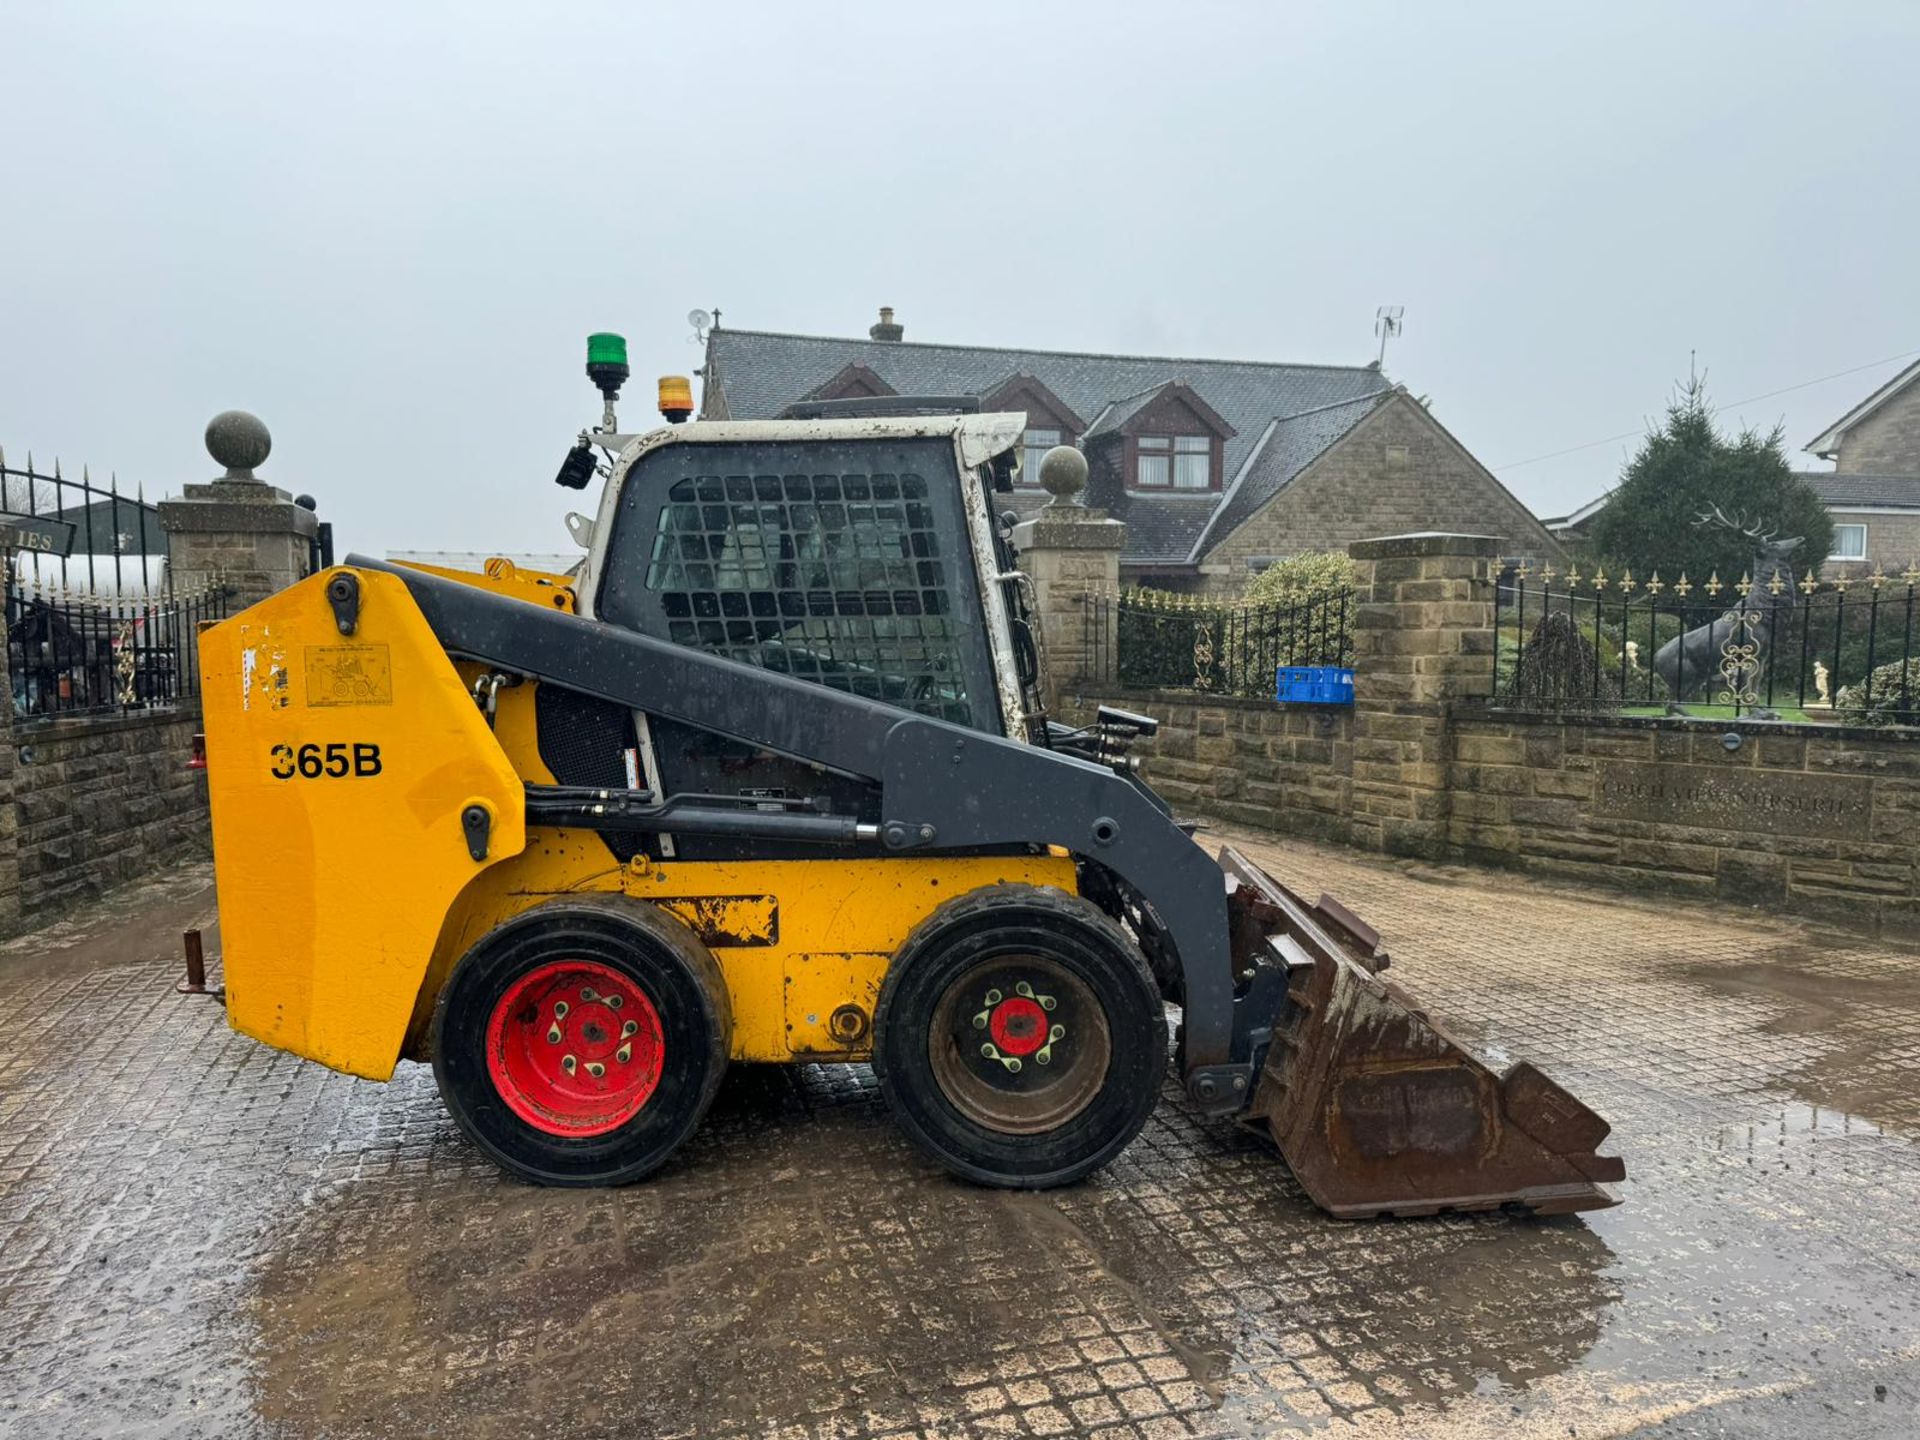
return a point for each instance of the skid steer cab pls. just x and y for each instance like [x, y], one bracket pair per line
[768, 779]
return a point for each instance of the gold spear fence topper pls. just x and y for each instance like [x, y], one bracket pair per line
[1573, 581]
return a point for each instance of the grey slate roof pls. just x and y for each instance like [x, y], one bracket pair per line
[762, 372]
[1837, 492]
[1162, 528]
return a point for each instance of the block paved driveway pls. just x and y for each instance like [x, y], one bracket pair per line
[202, 1237]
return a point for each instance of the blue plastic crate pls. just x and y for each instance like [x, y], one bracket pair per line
[1314, 685]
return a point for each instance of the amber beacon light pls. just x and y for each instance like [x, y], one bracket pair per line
[676, 398]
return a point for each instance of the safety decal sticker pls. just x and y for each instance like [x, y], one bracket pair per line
[349, 675]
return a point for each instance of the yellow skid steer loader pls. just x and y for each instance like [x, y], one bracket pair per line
[769, 779]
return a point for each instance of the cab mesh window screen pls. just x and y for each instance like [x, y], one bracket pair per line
[843, 580]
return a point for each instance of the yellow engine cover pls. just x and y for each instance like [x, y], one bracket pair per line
[338, 768]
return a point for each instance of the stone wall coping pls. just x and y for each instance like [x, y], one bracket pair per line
[226, 514]
[251, 491]
[30, 729]
[1129, 694]
[1070, 528]
[1428, 542]
[1694, 724]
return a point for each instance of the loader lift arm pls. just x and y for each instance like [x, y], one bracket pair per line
[941, 785]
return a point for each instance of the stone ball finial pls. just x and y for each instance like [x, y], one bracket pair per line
[238, 441]
[1063, 474]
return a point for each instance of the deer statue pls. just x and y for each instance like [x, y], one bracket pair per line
[1729, 653]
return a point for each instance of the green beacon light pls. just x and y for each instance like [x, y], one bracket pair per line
[607, 368]
[607, 363]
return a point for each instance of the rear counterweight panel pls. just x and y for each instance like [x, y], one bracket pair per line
[338, 769]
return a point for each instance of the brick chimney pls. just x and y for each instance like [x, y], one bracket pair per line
[886, 329]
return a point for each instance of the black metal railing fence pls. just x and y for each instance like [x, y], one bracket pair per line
[94, 621]
[1151, 639]
[1797, 649]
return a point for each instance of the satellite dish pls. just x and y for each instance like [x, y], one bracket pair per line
[699, 319]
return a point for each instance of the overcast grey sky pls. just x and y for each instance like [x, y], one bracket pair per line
[387, 229]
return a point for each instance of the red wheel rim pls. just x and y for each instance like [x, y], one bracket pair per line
[574, 1048]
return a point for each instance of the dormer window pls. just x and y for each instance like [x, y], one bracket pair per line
[1176, 462]
[1050, 420]
[1163, 441]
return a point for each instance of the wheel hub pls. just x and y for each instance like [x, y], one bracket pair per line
[1020, 1044]
[1019, 1026]
[575, 1048]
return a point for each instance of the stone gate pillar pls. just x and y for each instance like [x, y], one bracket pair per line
[1071, 553]
[237, 530]
[1422, 640]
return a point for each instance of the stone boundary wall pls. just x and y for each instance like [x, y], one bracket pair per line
[97, 801]
[1815, 821]
[1822, 821]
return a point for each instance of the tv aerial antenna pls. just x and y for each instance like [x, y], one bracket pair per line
[1387, 324]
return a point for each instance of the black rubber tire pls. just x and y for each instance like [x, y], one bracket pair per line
[1016, 919]
[664, 959]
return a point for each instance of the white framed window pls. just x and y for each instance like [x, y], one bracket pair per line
[1033, 445]
[1849, 542]
[1178, 462]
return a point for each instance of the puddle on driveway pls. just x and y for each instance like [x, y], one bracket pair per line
[796, 1263]
[1860, 1027]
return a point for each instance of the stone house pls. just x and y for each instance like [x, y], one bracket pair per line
[1218, 467]
[1880, 435]
[1873, 491]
